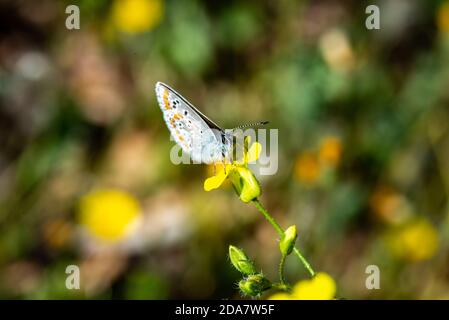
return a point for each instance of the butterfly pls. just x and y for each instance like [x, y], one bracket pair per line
[195, 133]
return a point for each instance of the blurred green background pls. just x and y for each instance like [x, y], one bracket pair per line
[85, 171]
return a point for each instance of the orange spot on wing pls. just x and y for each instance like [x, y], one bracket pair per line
[180, 137]
[165, 98]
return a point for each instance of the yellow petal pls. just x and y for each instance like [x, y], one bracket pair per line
[254, 152]
[215, 182]
[279, 296]
[320, 287]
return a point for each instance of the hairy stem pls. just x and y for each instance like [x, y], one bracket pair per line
[281, 269]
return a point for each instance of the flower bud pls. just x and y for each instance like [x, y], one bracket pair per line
[254, 285]
[240, 261]
[287, 242]
[245, 184]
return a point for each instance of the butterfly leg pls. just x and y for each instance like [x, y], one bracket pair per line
[224, 167]
[215, 170]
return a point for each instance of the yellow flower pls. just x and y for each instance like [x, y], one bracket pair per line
[320, 287]
[310, 166]
[330, 151]
[212, 169]
[135, 16]
[109, 214]
[416, 241]
[443, 17]
[280, 296]
[244, 181]
[307, 168]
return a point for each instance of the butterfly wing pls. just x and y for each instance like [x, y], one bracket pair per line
[191, 130]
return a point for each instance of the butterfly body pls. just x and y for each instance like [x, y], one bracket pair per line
[196, 134]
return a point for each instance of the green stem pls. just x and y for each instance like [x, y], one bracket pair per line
[304, 261]
[280, 286]
[281, 269]
[269, 217]
[280, 231]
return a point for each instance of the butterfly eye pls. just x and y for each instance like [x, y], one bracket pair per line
[185, 112]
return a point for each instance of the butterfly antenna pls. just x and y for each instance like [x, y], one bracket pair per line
[254, 124]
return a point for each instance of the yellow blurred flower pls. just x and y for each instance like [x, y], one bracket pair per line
[135, 16]
[330, 151]
[307, 168]
[415, 241]
[320, 287]
[109, 214]
[443, 17]
[244, 181]
[390, 206]
[310, 166]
